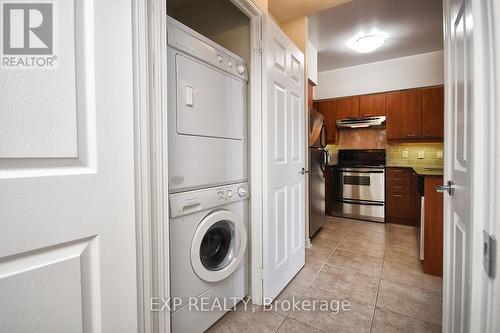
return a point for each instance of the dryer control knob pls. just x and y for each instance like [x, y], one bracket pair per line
[240, 68]
[229, 193]
[242, 192]
[220, 195]
[230, 63]
[219, 58]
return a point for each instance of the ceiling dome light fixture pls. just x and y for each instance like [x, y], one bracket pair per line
[366, 43]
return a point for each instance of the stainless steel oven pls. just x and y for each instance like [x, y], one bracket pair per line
[359, 191]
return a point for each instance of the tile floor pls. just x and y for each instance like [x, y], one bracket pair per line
[373, 266]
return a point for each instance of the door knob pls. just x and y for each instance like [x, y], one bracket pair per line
[450, 188]
[303, 171]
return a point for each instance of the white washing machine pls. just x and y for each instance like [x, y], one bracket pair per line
[206, 112]
[208, 254]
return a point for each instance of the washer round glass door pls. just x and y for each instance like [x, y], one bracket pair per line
[218, 245]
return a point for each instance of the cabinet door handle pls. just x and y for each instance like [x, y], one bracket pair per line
[397, 195]
[367, 115]
[398, 187]
[398, 179]
[412, 135]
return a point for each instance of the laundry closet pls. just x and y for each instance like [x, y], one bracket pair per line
[207, 59]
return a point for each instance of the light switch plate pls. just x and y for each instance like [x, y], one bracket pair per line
[404, 154]
[421, 154]
[439, 154]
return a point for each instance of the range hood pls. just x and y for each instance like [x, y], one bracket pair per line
[365, 122]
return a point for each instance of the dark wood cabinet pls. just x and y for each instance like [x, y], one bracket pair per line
[398, 208]
[401, 191]
[398, 176]
[412, 114]
[404, 114]
[326, 108]
[433, 112]
[346, 107]
[433, 228]
[372, 105]
[329, 187]
[416, 201]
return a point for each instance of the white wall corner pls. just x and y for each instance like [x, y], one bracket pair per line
[312, 63]
[420, 70]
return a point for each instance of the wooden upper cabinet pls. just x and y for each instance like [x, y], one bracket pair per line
[404, 114]
[328, 112]
[346, 107]
[433, 112]
[411, 114]
[372, 105]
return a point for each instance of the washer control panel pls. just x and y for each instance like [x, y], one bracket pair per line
[194, 201]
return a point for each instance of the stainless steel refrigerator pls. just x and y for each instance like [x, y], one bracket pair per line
[318, 160]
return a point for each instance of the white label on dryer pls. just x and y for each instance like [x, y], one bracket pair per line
[177, 180]
[189, 96]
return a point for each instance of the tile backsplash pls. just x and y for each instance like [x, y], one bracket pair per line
[431, 153]
[395, 153]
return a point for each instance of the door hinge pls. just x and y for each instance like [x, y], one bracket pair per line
[260, 273]
[489, 254]
[260, 46]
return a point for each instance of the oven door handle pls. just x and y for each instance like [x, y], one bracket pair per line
[361, 202]
[361, 171]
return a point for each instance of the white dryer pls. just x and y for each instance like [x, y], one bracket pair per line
[207, 105]
[208, 254]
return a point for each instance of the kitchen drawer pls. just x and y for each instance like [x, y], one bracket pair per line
[398, 187]
[398, 176]
[398, 205]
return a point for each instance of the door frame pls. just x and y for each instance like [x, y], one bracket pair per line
[485, 210]
[151, 166]
[256, 151]
[494, 286]
[151, 163]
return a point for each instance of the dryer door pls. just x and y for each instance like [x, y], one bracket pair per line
[218, 246]
[210, 103]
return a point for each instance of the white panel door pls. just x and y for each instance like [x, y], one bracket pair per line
[458, 212]
[284, 146]
[67, 231]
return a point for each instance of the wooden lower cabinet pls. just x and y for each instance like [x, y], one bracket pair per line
[398, 208]
[433, 228]
[328, 191]
[416, 198]
[401, 192]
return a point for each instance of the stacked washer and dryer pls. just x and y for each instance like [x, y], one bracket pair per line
[207, 144]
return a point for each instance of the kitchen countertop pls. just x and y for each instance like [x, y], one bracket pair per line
[426, 171]
[429, 171]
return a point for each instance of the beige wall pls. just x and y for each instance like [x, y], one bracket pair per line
[297, 31]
